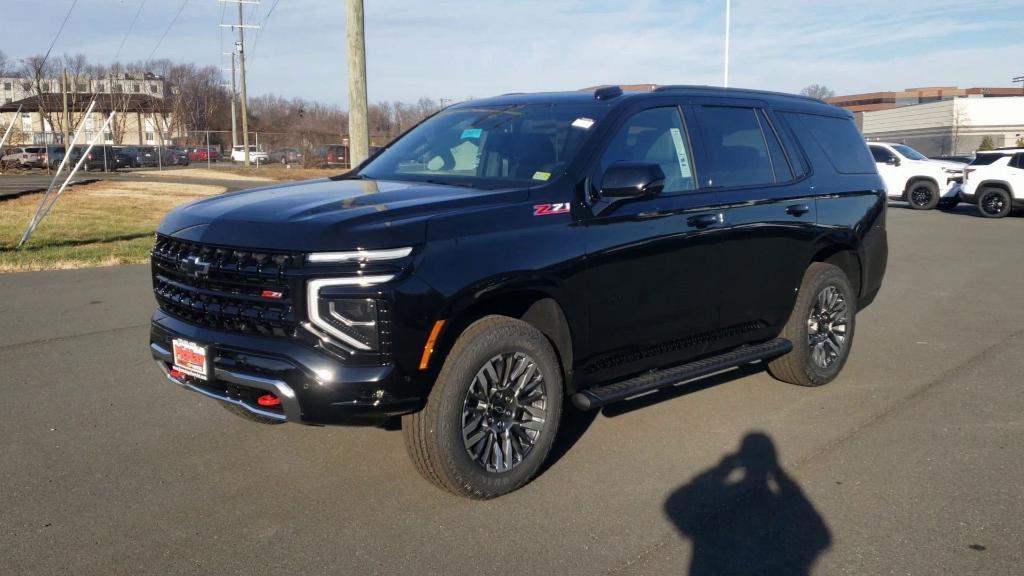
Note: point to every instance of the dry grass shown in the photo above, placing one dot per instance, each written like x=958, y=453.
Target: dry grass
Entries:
x=100, y=224
x=282, y=173
x=273, y=172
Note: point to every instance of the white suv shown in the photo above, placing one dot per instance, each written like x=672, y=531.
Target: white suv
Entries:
x=913, y=177
x=995, y=181
x=255, y=156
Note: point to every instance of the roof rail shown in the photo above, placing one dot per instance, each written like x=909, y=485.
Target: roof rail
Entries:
x=672, y=87
x=607, y=92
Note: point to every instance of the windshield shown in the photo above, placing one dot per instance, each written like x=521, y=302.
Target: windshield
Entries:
x=489, y=146
x=909, y=152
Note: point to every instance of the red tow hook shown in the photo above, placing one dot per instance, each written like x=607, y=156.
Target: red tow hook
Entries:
x=268, y=400
x=177, y=374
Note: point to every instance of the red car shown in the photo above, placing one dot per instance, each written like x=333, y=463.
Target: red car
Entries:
x=201, y=154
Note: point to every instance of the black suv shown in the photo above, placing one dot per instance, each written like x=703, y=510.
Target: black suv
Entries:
x=512, y=254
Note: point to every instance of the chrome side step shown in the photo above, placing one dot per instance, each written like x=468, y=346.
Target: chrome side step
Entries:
x=598, y=396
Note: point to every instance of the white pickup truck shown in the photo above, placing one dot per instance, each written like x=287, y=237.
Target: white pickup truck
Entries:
x=255, y=156
x=916, y=179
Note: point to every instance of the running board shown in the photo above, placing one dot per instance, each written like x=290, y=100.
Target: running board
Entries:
x=598, y=396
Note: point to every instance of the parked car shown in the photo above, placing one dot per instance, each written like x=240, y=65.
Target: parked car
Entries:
x=179, y=156
x=994, y=181
x=201, y=154
x=53, y=155
x=509, y=255
x=916, y=179
x=286, y=156
x=255, y=156
x=330, y=155
x=104, y=158
x=23, y=157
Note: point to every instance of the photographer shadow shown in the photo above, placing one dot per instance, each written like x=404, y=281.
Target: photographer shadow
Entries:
x=747, y=516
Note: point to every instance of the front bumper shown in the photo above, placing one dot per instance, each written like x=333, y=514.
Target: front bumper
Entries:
x=313, y=385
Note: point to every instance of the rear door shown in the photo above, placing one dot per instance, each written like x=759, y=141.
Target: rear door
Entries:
x=651, y=274
x=770, y=218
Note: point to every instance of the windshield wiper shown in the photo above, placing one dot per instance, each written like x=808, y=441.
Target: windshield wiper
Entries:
x=448, y=183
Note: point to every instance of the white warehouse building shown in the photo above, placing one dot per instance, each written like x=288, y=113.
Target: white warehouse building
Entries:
x=948, y=127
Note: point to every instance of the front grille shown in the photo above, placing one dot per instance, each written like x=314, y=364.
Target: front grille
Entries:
x=226, y=288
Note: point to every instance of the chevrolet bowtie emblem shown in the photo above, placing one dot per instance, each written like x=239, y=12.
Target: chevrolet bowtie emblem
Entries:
x=194, y=266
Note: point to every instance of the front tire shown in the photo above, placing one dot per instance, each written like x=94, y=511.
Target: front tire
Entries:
x=821, y=328
x=923, y=195
x=994, y=202
x=493, y=414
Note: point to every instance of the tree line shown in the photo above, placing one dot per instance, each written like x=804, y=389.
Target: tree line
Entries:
x=196, y=101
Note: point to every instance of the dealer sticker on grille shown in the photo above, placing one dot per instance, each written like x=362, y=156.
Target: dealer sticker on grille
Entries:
x=190, y=358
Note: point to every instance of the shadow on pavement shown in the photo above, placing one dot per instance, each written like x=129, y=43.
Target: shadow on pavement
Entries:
x=747, y=516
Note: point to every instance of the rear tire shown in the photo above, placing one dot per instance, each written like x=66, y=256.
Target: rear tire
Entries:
x=994, y=202
x=821, y=328
x=499, y=394
x=243, y=413
x=923, y=195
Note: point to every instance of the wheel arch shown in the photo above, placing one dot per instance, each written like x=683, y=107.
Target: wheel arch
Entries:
x=847, y=259
x=535, y=306
x=915, y=179
x=994, y=184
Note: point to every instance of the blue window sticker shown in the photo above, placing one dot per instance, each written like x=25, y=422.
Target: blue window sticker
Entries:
x=471, y=133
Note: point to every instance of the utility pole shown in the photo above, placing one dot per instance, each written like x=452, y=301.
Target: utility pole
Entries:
x=240, y=49
x=234, y=101
x=241, y=62
x=66, y=124
x=358, y=133
x=725, y=78
x=1021, y=80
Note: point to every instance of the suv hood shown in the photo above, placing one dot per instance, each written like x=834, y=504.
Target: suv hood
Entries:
x=324, y=215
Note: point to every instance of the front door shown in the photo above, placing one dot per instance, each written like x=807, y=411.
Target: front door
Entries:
x=890, y=169
x=652, y=276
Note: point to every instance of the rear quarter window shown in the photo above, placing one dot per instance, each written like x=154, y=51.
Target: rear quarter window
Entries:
x=985, y=159
x=838, y=138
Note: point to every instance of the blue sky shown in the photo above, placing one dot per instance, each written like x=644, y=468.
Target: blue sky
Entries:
x=457, y=49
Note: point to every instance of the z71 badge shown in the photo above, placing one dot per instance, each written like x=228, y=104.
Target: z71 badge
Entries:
x=545, y=209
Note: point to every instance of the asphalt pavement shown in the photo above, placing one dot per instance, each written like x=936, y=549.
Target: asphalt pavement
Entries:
x=910, y=463
x=14, y=185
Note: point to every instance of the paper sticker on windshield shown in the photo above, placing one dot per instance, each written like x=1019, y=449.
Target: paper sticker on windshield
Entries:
x=584, y=123
x=471, y=133
x=684, y=160
x=538, y=175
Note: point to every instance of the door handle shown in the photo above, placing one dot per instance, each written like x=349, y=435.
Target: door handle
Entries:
x=798, y=209
x=702, y=220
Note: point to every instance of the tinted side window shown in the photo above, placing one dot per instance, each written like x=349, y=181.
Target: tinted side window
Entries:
x=780, y=164
x=736, y=146
x=1018, y=161
x=880, y=154
x=656, y=135
x=985, y=159
x=838, y=138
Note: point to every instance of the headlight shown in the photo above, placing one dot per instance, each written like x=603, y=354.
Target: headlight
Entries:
x=353, y=321
x=361, y=255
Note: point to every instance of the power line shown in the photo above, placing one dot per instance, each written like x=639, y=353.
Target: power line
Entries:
x=169, y=26
x=59, y=30
x=263, y=23
x=130, y=27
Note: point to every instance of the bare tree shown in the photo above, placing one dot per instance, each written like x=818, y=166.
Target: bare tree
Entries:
x=818, y=91
x=960, y=119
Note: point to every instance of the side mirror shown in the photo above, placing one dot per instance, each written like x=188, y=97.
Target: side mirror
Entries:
x=632, y=180
x=892, y=161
